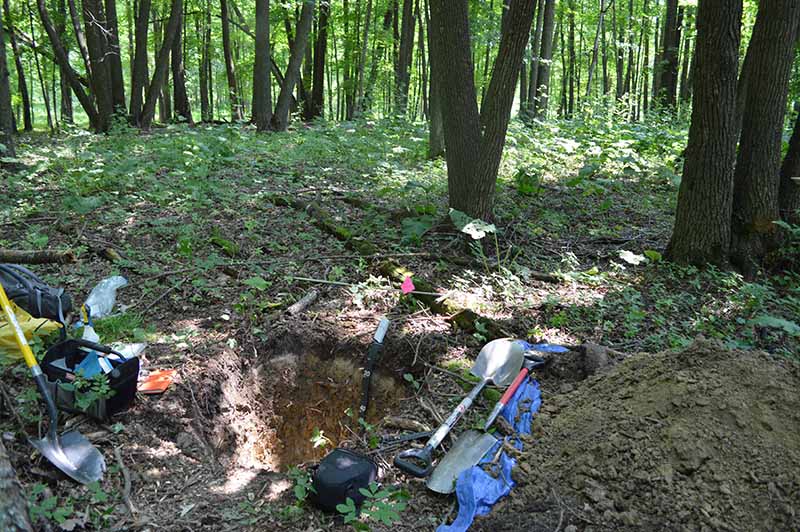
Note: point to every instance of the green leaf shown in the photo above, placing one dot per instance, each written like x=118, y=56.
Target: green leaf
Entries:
x=653, y=255
x=259, y=283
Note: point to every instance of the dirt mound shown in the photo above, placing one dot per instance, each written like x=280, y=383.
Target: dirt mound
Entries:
x=705, y=439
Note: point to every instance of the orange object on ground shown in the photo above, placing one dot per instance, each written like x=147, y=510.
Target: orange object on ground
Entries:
x=157, y=382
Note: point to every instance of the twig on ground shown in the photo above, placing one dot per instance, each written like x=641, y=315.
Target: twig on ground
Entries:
x=305, y=302
x=447, y=372
x=10, y=405
x=165, y=294
x=47, y=256
x=126, y=489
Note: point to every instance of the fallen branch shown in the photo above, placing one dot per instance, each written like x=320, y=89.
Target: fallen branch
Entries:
x=47, y=256
x=305, y=302
x=126, y=489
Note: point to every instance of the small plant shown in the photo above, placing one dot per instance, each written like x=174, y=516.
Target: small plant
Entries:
x=88, y=390
x=302, y=484
x=318, y=439
x=371, y=434
x=381, y=505
x=408, y=377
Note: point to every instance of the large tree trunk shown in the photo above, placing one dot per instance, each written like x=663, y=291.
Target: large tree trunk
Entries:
x=139, y=81
x=230, y=69
x=475, y=139
x=63, y=61
x=162, y=64
x=789, y=193
x=96, y=40
x=115, y=57
x=757, y=175
x=179, y=97
x=6, y=123
x=13, y=507
x=545, y=59
x=402, y=73
x=22, y=84
x=669, y=59
x=280, y=119
x=262, y=84
x=320, y=52
x=702, y=222
x=75, y=17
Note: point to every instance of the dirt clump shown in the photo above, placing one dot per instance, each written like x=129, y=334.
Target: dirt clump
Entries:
x=703, y=439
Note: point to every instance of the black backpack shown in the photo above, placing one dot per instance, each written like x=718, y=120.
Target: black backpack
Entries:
x=33, y=295
x=340, y=475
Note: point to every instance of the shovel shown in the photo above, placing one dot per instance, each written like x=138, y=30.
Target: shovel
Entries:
x=72, y=453
x=467, y=451
x=499, y=362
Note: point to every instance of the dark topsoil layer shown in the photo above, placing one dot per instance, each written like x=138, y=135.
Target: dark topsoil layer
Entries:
x=704, y=439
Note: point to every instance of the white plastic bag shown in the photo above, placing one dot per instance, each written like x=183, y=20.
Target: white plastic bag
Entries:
x=103, y=296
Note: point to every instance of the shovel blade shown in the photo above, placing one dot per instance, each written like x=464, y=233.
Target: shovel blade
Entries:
x=499, y=361
x=73, y=454
x=467, y=451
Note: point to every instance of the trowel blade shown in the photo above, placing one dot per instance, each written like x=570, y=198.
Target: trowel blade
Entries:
x=467, y=451
x=73, y=454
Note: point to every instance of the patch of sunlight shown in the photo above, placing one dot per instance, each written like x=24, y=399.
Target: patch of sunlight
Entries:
x=236, y=481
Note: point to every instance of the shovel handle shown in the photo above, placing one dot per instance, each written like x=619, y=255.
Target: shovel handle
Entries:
x=409, y=461
x=514, y=385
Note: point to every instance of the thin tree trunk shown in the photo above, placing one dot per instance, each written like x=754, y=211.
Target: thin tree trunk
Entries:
x=646, y=63
x=45, y=97
x=12, y=516
x=604, y=53
x=209, y=66
x=162, y=64
x=546, y=59
x=179, y=98
x=320, y=52
x=620, y=53
x=423, y=61
x=280, y=118
x=685, y=90
x=262, y=84
x=95, y=21
x=536, y=48
x=629, y=42
x=595, y=49
x=230, y=69
x=436, y=125
x=757, y=175
x=669, y=71
x=571, y=21
x=702, y=221
x=789, y=192
x=139, y=81
x=22, y=84
x=79, y=36
x=115, y=57
x=402, y=71
x=363, y=59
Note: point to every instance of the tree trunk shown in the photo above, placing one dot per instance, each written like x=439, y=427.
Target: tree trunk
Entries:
x=262, y=84
x=22, y=84
x=230, y=69
x=162, y=63
x=702, y=221
x=179, y=97
x=13, y=506
x=685, y=90
x=669, y=59
x=475, y=140
x=595, y=49
x=646, y=62
x=757, y=176
x=63, y=61
x=66, y=92
x=80, y=37
x=362, y=62
x=139, y=81
x=789, y=193
x=536, y=47
x=115, y=57
x=7, y=140
x=631, y=63
x=320, y=52
x=96, y=31
x=546, y=59
x=436, y=125
x=571, y=22
x=402, y=72
x=619, y=54
x=379, y=54
x=280, y=119
x=39, y=73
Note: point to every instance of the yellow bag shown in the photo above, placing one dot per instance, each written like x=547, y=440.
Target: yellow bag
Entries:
x=9, y=352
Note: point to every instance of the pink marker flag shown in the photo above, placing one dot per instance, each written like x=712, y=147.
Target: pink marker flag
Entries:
x=407, y=286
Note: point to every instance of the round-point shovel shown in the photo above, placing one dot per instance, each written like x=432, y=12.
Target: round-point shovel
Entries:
x=498, y=362
x=72, y=453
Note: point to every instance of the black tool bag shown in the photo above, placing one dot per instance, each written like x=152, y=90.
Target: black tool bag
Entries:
x=340, y=475
x=33, y=295
x=59, y=365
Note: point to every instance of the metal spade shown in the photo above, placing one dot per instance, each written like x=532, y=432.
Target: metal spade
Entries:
x=72, y=453
x=467, y=451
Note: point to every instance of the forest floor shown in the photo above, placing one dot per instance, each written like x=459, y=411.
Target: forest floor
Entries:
x=697, y=434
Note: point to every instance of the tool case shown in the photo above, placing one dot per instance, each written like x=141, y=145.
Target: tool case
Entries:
x=62, y=363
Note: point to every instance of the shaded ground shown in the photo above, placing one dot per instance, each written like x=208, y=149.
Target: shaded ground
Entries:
x=211, y=261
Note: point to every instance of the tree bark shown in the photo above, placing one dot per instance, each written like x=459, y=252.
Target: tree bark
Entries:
x=402, y=72
x=474, y=139
x=262, y=83
x=320, y=52
x=702, y=229
x=63, y=61
x=571, y=23
x=436, y=124
x=669, y=59
x=162, y=64
x=230, y=69
x=115, y=57
x=536, y=48
x=362, y=62
x=179, y=97
x=546, y=59
x=13, y=506
x=139, y=81
x=280, y=119
x=685, y=89
x=66, y=92
x=789, y=192
x=80, y=38
x=757, y=175
x=94, y=19
x=6, y=113
x=595, y=49
x=22, y=84
x=619, y=54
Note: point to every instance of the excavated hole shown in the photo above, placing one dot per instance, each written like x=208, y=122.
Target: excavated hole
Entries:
x=312, y=393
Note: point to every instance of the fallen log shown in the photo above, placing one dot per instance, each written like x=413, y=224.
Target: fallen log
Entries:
x=13, y=507
x=462, y=318
x=47, y=256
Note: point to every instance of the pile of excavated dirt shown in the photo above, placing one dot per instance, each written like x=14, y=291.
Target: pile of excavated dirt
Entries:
x=704, y=439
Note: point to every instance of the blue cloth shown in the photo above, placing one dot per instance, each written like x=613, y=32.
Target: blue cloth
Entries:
x=476, y=490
